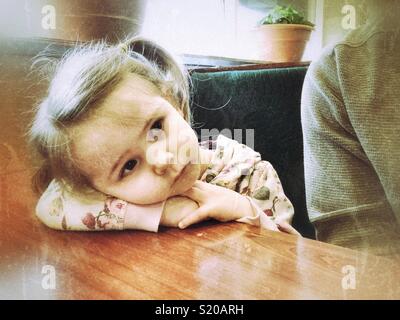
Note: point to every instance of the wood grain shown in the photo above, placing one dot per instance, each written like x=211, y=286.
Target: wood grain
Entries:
x=209, y=261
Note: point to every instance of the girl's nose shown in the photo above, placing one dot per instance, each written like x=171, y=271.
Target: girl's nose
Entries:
x=164, y=160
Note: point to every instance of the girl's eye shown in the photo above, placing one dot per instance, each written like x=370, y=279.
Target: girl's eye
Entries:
x=157, y=125
x=155, y=130
x=128, y=167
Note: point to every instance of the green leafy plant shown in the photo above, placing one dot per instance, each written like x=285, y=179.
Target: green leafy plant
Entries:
x=285, y=15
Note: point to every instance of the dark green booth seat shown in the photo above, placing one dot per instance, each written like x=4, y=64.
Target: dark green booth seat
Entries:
x=268, y=101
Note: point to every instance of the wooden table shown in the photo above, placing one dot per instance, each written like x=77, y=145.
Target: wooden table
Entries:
x=210, y=261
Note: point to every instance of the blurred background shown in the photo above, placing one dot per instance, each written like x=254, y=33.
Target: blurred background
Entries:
x=222, y=28
x=203, y=33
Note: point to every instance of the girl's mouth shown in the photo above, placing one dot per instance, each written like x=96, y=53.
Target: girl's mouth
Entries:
x=183, y=171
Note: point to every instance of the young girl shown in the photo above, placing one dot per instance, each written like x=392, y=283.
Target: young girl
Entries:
x=118, y=151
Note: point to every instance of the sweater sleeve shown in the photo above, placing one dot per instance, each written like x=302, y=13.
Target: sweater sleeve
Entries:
x=59, y=209
x=345, y=199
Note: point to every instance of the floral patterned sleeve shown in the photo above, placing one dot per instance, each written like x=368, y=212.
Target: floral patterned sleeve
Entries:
x=240, y=168
x=59, y=209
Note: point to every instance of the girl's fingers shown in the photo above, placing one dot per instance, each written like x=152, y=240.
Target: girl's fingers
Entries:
x=195, y=194
x=201, y=184
x=196, y=216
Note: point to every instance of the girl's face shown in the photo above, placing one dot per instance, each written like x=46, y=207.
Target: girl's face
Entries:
x=137, y=147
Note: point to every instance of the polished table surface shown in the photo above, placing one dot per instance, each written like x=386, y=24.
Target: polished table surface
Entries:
x=209, y=261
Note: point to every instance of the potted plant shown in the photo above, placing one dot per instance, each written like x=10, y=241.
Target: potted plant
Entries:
x=282, y=35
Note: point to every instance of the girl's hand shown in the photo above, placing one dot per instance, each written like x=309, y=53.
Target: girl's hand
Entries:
x=215, y=202
x=175, y=209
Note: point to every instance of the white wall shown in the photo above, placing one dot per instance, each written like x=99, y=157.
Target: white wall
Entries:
x=208, y=27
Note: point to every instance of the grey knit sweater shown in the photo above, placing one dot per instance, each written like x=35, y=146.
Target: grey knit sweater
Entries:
x=351, y=127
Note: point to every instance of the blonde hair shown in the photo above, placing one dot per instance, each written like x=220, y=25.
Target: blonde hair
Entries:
x=85, y=75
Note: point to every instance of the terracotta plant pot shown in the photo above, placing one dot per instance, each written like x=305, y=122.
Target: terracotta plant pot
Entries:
x=282, y=42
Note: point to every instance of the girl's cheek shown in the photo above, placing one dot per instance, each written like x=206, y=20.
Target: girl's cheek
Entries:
x=148, y=190
x=184, y=139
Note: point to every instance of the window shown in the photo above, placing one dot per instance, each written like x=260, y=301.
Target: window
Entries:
x=220, y=28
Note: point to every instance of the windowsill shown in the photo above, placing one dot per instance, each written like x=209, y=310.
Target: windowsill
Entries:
x=198, y=63
x=204, y=61
x=249, y=66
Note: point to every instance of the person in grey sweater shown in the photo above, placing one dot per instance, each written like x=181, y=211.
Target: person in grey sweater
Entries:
x=351, y=129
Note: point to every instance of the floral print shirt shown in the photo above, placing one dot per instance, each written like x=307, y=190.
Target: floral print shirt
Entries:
x=233, y=165
x=240, y=168
x=61, y=209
